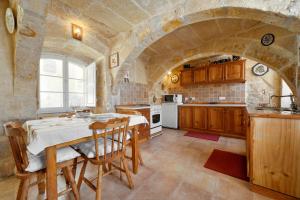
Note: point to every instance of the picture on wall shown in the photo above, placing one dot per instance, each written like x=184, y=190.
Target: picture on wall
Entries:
x=114, y=60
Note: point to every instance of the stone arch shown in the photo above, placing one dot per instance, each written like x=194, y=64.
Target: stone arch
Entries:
x=146, y=34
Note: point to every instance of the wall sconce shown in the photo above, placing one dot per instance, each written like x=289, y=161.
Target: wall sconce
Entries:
x=77, y=32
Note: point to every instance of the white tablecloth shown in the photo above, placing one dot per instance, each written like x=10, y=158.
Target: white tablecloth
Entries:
x=51, y=131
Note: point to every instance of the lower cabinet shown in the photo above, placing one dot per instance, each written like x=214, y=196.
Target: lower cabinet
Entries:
x=186, y=117
x=216, y=119
x=200, y=118
x=227, y=121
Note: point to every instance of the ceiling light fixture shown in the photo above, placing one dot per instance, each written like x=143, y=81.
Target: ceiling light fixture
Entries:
x=77, y=32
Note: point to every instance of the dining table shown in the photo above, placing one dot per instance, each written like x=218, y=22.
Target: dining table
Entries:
x=50, y=134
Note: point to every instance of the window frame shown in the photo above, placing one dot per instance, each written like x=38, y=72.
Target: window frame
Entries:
x=65, y=60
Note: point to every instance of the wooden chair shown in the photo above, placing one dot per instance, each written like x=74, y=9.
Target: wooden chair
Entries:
x=129, y=143
x=104, y=152
x=29, y=166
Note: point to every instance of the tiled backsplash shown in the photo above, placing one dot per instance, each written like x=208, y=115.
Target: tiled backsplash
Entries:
x=211, y=93
x=133, y=93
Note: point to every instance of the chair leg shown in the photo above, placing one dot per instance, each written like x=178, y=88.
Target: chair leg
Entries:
x=23, y=189
x=130, y=182
x=74, y=168
x=41, y=183
x=81, y=176
x=121, y=168
x=140, y=158
x=72, y=182
x=99, y=182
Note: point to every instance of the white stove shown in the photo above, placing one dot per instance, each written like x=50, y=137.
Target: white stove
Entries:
x=155, y=120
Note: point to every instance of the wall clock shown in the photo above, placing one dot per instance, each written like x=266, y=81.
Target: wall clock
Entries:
x=267, y=39
x=259, y=69
x=10, y=20
x=174, y=78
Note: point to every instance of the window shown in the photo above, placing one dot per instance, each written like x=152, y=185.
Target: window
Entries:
x=285, y=90
x=65, y=84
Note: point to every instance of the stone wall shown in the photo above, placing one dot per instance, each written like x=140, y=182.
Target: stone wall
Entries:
x=11, y=103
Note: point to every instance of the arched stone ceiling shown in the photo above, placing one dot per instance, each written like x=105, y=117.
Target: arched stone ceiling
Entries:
x=222, y=36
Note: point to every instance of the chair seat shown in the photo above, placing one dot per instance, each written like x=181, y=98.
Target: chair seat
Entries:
x=37, y=162
x=88, y=148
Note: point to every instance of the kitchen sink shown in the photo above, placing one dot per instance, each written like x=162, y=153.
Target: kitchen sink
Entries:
x=273, y=108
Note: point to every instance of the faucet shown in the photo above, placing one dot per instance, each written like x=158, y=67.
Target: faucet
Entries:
x=292, y=97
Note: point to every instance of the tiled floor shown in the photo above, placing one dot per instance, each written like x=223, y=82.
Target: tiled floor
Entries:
x=173, y=170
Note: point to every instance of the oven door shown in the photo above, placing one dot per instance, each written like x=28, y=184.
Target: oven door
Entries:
x=155, y=120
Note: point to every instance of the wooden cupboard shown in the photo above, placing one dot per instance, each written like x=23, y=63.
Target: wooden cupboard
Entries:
x=216, y=119
x=274, y=155
x=200, y=118
x=187, y=77
x=215, y=73
x=227, y=121
x=144, y=130
x=234, y=71
x=200, y=75
x=229, y=72
x=235, y=121
x=186, y=117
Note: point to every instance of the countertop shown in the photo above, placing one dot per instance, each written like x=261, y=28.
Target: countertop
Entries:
x=253, y=112
x=214, y=105
x=133, y=107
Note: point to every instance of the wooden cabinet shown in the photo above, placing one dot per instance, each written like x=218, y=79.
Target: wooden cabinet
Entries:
x=229, y=72
x=234, y=71
x=226, y=121
x=186, y=117
x=274, y=154
x=200, y=118
x=187, y=77
x=144, y=130
x=200, y=75
x=216, y=119
x=235, y=121
x=215, y=73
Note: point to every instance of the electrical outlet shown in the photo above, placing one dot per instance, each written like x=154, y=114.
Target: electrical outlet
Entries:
x=222, y=98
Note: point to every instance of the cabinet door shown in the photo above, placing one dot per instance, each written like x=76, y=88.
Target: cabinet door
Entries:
x=200, y=75
x=144, y=131
x=186, y=117
x=216, y=119
x=200, y=118
x=215, y=73
x=187, y=77
x=234, y=71
x=235, y=121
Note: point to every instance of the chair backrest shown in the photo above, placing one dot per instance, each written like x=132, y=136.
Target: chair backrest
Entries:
x=114, y=134
x=17, y=139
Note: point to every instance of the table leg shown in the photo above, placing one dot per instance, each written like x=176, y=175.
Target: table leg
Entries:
x=135, y=149
x=51, y=176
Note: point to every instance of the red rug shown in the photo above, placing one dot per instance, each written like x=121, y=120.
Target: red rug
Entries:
x=204, y=136
x=228, y=163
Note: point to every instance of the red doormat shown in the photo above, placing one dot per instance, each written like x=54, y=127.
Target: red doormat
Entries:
x=204, y=136
x=228, y=163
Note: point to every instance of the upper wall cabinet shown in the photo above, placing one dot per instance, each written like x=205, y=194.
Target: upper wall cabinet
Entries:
x=187, y=77
x=229, y=72
x=200, y=75
x=234, y=71
x=215, y=73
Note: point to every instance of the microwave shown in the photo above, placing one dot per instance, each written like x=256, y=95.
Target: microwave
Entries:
x=173, y=98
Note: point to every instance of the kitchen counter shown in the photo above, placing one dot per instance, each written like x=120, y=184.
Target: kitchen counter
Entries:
x=253, y=112
x=214, y=105
x=133, y=107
